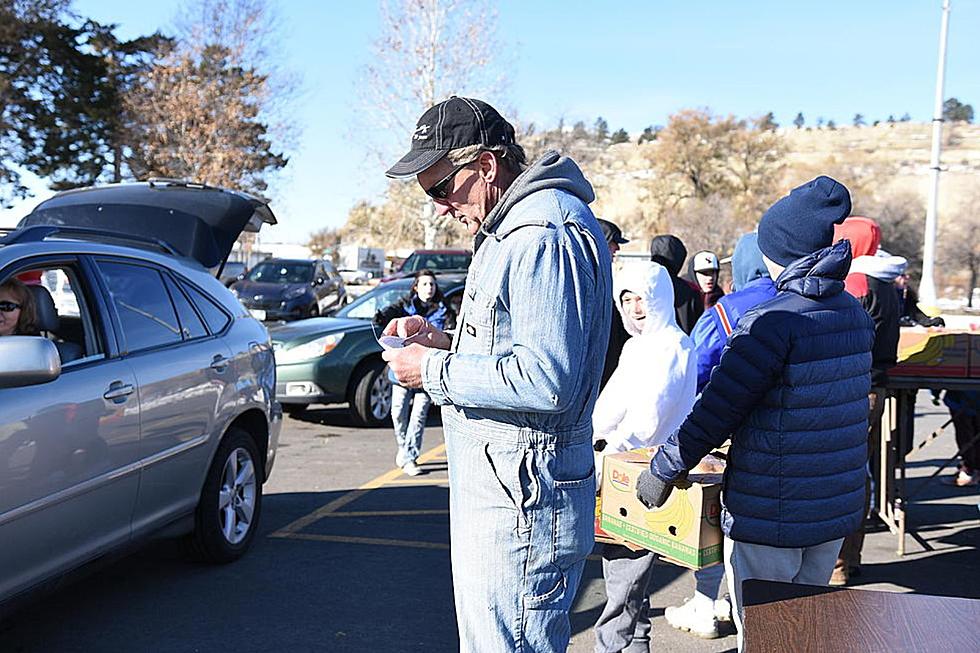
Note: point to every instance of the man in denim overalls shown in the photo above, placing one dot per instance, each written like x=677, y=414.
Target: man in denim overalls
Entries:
x=519, y=378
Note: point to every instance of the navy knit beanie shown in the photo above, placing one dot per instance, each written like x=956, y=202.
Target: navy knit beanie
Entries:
x=803, y=221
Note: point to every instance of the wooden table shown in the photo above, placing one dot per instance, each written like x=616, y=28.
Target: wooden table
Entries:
x=782, y=617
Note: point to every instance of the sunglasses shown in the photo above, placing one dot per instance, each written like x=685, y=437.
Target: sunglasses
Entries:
x=9, y=307
x=440, y=189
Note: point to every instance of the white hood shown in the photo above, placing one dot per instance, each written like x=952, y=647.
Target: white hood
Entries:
x=882, y=266
x=653, y=388
x=652, y=282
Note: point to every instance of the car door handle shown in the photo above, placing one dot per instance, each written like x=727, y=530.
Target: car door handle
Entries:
x=118, y=391
x=219, y=363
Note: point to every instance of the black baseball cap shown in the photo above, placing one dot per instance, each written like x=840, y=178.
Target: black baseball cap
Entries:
x=612, y=232
x=451, y=124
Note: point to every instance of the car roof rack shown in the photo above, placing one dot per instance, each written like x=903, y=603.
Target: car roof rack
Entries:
x=37, y=233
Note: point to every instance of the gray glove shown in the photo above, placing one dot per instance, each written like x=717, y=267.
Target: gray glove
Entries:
x=651, y=491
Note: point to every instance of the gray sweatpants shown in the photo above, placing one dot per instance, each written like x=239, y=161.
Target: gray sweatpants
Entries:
x=624, y=624
x=811, y=565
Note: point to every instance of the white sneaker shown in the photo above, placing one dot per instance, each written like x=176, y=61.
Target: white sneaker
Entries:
x=411, y=469
x=723, y=609
x=400, y=459
x=695, y=619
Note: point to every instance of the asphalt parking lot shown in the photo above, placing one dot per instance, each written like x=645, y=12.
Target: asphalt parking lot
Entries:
x=354, y=556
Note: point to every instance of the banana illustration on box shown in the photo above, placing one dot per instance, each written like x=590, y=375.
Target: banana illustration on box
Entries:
x=675, y=519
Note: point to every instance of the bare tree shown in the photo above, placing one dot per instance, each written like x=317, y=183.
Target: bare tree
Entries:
x=959, y=243
x=711, y=224
x=427, y=51
x=208, y=110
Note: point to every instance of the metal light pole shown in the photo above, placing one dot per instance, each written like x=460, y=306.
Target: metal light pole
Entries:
x=927, y=286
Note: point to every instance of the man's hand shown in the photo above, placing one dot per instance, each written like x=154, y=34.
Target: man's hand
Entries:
x=406, y=363
x=651, y=491
x=416, y=329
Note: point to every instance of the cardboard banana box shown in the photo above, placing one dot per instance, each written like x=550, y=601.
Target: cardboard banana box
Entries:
x=685, y=530
x=937, y=353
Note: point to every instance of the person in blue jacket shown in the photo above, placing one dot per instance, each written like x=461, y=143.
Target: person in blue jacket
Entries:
x=791, y=391
x=410, y=406
x=752, y=286
x=701, y=614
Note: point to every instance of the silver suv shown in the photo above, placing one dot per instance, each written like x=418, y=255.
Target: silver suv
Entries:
x=146, y=397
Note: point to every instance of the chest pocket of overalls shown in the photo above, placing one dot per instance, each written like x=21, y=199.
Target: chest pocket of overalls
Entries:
x=475, y=330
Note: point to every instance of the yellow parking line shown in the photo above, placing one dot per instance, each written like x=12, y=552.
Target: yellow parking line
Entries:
x=344, y=539
x=353, y=495
x=386, y=513
x=434, y=482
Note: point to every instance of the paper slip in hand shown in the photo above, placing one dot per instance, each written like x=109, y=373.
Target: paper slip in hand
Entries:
x=391, y=342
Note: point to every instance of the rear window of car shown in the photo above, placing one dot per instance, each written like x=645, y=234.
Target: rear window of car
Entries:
x=145, y=312
x=281, y=272
x=190, y=321
x=417, y=262
x=215, y=317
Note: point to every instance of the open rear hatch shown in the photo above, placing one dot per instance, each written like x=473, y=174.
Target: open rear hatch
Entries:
x=194, y=220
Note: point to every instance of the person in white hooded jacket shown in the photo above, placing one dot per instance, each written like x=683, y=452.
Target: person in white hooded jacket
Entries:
x=645, y=400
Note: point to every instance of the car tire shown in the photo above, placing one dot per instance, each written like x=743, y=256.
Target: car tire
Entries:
x=216, y=539
x=294, y=409
x=371, y=398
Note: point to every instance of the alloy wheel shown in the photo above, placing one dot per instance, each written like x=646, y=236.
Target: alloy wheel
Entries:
x=236, y=498
x=381, y=396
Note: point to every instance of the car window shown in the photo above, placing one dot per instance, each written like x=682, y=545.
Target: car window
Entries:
x=417, y=262
x=331, y=270
x=190, y=322
x=365, y=306
x=75, y=327
x=281, y=272
x=216, y=318
x=146, y=314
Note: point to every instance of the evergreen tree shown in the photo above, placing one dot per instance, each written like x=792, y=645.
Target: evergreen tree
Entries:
x=956, y=111
x=768, y=122
x=799, y=121
x=831, y=125
x=601, y=130
x=619, y=136
x=858, y=120
x=649, y=134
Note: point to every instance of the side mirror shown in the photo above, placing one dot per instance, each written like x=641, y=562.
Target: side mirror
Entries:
x=27, y=360
x=319, y=281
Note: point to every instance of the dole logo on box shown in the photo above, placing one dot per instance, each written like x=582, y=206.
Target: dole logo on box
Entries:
x=620, y=480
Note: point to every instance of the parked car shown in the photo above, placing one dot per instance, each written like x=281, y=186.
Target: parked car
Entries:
x=233, y=271
x=435, y=260
x=291, y=289
x=338, y=359
x=151, y=405
x=355, y=277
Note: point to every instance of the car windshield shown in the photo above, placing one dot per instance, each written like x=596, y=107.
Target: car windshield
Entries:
x=281, y=272
x=233, y=268
x=432, y=261
x=365, y=306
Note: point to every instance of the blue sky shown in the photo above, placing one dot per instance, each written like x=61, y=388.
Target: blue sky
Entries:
x=634, y=63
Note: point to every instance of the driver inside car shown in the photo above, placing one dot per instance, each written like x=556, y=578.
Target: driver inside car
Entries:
x=17, y=312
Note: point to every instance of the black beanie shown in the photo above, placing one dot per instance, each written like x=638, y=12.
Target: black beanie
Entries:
x=803, y=221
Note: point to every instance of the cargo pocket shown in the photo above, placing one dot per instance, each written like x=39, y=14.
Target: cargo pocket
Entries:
x=572, y=539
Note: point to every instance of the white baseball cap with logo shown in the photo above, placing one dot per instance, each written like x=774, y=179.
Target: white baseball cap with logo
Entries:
x=706, y=262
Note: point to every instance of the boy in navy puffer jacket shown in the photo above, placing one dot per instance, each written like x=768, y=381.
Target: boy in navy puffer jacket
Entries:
x=791, y=390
